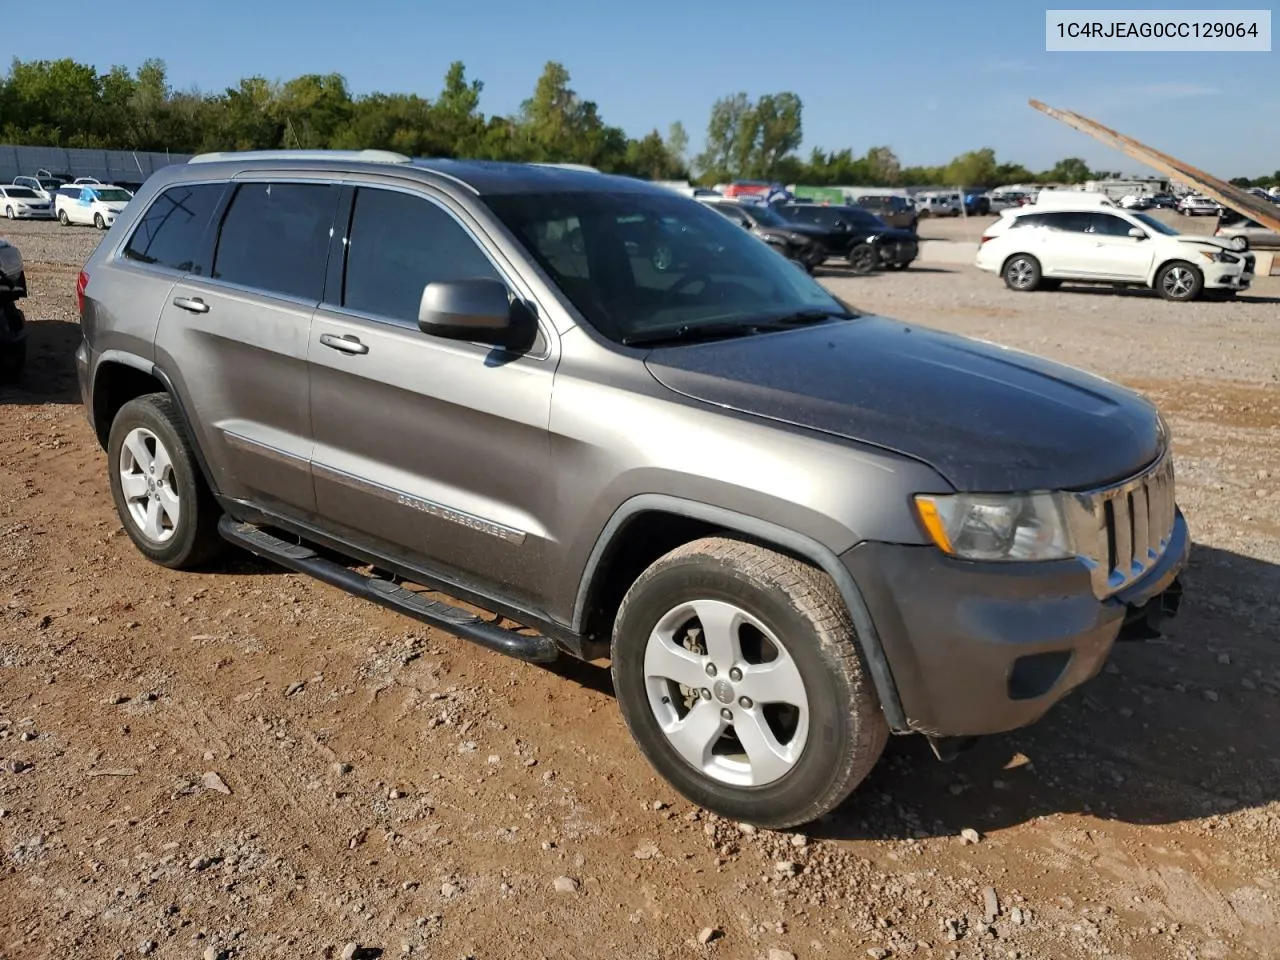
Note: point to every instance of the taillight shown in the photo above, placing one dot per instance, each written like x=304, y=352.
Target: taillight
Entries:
x=82, y=282
x=984, y=238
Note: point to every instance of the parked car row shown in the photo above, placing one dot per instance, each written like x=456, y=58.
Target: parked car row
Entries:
x=84, y=200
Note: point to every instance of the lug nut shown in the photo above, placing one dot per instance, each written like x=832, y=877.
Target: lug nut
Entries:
x=726, y=714
x=744, y=703
x=706, y=694
x=711, y=669
x=735, y=674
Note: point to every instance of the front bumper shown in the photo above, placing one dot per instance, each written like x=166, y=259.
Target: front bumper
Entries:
x=1229, y=276
x=981, y=648
x=898, y=251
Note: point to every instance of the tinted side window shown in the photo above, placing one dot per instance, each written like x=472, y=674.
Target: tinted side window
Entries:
x=400, y=243
x=171, y=232
x=275, y=236
x=1070, y=222
x=1106, y=224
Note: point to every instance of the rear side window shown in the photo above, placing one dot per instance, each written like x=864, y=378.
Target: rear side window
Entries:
x=171, y=232
x=1070, y=222
x=275, y=237
x=400, y=243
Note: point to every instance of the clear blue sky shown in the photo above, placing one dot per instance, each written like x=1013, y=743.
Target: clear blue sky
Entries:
x=929, y=78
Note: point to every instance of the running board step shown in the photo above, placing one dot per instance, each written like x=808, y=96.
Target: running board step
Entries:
x=304, y=559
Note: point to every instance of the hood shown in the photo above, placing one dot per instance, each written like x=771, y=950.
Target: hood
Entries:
x=898, y=234
x=805, y=231
x=987, y=418
x=786, y=233
x=1206, y=241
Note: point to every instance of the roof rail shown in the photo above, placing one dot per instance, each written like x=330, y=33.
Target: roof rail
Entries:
x=362, y=156
x=568, y=166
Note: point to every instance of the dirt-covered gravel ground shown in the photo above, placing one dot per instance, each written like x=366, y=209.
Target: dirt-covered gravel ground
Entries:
x=244, y=763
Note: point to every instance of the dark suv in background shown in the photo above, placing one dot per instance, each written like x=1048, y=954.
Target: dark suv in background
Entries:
x=632, y=431
x=861, y=238
x=896, y=211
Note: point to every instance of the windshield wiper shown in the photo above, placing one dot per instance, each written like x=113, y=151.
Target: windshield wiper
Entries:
x=814, y=315
x=737, y=328
x=688, y=333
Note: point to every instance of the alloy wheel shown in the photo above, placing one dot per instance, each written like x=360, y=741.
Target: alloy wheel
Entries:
x=149, y=485
x=726, y=693
x=1178, y=283
x=1020, y=274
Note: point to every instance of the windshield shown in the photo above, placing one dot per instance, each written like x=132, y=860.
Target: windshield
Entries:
x=764, y=215
x=857, y=217
x=24, y=193
x=50, y=184
x=638, y=264
x=112, y=196
x=1153, y=224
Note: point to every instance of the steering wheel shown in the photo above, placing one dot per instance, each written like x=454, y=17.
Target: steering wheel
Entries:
x=689, y=280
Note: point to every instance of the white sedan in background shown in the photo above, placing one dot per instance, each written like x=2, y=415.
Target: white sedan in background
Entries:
x=23, y=203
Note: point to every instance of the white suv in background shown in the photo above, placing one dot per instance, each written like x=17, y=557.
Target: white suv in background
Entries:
x=1094, y=241
x=98, y=204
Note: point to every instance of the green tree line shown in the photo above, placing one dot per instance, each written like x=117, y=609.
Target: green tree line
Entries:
x=63, y=103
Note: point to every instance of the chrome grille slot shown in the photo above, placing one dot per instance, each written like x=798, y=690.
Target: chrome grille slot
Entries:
x=1122, y=531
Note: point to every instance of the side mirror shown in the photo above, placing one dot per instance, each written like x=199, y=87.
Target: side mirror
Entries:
x=478, y=310
x=1137, y=233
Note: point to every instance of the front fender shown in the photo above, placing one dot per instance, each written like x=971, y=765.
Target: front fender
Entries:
x=762, y=531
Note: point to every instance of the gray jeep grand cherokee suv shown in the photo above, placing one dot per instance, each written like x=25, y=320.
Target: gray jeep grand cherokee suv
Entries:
x=630, y=430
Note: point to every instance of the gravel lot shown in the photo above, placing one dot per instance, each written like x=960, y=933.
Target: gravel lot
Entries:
x=245, y=763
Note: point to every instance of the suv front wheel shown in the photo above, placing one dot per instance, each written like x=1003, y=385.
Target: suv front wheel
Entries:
x=158, y=489
x=1179, y=281
x=737, y=673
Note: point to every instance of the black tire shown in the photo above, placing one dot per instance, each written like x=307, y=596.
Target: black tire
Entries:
x=195, y=539
x=847, y=731
x=1179, y=281
x=863, y=258
x=1022, y=273
x=62, y=218
x=13, y=352
x=99, y=222
x=8, y=212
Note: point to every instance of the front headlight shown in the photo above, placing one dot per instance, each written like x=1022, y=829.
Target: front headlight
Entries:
x=1219, y=256
x=1003, y=526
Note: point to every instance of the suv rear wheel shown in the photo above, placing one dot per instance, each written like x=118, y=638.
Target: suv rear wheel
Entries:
x=737, y=673
x=1022, y=273
x=159, y=493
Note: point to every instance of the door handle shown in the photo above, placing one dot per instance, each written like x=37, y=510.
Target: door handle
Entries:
x=347, y=344
x=191, y=304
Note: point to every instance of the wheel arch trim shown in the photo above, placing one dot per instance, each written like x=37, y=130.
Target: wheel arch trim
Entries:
x=769, y=534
